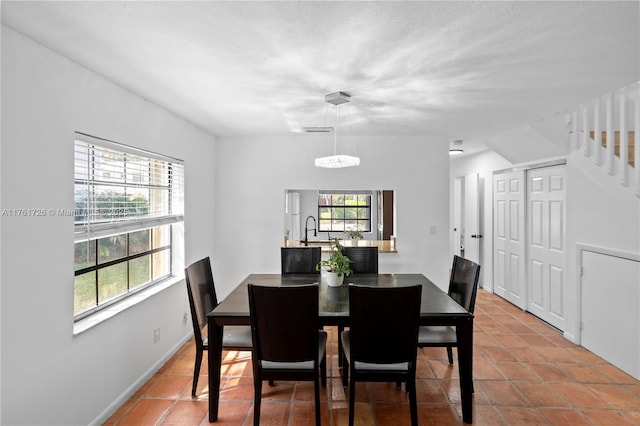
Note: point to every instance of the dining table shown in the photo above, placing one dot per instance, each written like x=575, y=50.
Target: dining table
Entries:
x=437, y=308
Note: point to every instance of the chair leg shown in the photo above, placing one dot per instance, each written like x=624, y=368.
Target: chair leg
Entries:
x=352, y=399
x=257, y=399
x=196, y=372
x=345, y=372
x=316, y=389
x=450, y=354
x=340, y=330
x=323, y=371
x=271, y=383
x=413, y=406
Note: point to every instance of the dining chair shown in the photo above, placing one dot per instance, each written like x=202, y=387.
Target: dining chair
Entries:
x=381, y=344
x=202, y=300
x=463, y=287
x=365, y=259
x=288, y=342
x=300, y=260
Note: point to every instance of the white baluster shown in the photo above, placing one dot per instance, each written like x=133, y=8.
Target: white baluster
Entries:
x=597, y=133
x=575, y=141
x=636, y=140
x=624, y=141
x=609, y=153
x=586, y=145
x=574, y=130
x=568, y=121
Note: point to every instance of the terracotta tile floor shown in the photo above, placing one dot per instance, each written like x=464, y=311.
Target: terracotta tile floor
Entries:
x=525, y=372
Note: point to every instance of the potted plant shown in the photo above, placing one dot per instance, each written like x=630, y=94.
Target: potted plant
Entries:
x=355, y=234
x=337, y=266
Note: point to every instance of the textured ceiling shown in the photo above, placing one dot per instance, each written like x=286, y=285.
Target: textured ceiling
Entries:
x=462, y=70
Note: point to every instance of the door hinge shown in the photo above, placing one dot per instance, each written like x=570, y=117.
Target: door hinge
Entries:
x=581, y=325
x=582, y=271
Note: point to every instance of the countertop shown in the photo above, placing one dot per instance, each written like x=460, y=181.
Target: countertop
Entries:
x=384, y=246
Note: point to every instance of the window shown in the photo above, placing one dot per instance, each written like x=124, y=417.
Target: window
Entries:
x=344, y=211
x=127, y=202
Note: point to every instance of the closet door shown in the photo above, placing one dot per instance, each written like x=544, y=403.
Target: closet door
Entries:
x=545, y=243
x=509, y=237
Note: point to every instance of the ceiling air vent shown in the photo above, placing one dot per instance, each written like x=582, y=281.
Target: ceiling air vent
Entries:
x=317, y=129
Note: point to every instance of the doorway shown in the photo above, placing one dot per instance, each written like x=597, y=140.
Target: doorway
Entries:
x=466, y=217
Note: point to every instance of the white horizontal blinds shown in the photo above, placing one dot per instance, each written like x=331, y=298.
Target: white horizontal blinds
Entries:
x=120, y=189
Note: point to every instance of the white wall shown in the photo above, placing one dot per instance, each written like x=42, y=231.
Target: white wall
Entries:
x=526, y=144
x=48, y=375
x=483, y=163
x=253, y=172
x=601, y=213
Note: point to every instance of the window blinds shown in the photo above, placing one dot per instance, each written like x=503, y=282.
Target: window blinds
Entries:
x=121, y=189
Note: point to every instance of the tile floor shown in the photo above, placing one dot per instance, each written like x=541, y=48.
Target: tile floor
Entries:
x=525, y=372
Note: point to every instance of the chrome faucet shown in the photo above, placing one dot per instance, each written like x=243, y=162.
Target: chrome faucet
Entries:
x=306, y=230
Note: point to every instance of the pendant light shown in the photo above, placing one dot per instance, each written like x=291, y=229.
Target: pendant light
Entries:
x=336, y=160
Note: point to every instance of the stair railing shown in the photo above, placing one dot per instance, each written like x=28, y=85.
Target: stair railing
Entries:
x=612, y=120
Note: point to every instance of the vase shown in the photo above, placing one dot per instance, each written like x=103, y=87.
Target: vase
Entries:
x=334, y=280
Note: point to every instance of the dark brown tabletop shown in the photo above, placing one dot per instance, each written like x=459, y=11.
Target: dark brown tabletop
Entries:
x=437, y=308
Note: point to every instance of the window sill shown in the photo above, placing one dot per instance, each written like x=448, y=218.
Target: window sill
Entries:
x=103, y=315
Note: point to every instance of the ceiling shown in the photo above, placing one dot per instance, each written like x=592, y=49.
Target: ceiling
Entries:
x=459, y=70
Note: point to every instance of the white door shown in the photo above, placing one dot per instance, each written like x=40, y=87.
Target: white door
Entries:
x=546, y=251
x=509, y=237
x=457, y=244
x=471, y=218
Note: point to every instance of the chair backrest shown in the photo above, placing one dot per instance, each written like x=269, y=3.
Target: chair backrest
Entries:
x=365, y=259
x=300, y=260
x=284, y=322
x=463, y=285
x=384, y=323
x=202, y=293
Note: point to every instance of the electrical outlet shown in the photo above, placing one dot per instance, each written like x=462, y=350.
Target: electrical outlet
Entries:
x=184, y=318
x=156, y=335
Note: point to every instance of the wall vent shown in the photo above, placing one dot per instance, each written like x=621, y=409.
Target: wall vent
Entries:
x=317, y=129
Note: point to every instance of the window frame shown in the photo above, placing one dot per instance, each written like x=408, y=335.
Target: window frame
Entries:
x=344, y=207
x=91, y=231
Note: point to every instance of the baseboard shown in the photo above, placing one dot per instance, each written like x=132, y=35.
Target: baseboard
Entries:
x=128, y=393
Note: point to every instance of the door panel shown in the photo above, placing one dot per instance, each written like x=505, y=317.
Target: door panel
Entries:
x=536, y=223
x=500, y=219
x=509, y=249
x=499, y=271
x=515, y=287
x=546, y=211
x=537, y=296
x=555, y=279
x=556, y=225
x=515, y=206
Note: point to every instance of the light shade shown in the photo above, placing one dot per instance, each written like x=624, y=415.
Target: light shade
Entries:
x=455, y=151
x=337, y=161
